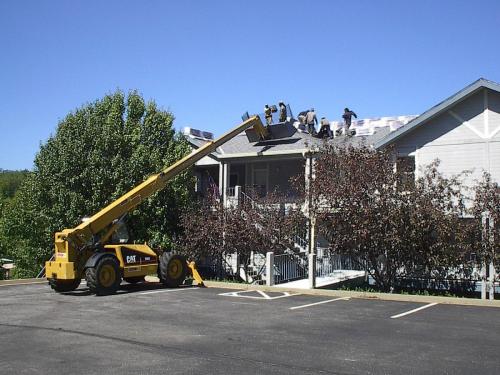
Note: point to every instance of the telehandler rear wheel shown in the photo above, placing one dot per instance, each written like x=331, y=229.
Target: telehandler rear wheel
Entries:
x=105, y=277
x=172, y=269
x=62, y=286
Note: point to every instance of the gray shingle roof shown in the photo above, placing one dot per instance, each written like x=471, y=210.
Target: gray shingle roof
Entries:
x=296, y=143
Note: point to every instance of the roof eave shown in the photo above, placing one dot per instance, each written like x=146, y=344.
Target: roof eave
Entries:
x=214, y=155
x=260, y=154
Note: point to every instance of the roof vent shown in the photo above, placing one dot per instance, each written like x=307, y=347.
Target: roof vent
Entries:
x=195, y=133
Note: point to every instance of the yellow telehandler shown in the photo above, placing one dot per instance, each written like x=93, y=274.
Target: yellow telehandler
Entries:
x=87, y=251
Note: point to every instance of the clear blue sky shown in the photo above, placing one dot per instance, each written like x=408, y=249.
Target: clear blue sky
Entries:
x=209, y=61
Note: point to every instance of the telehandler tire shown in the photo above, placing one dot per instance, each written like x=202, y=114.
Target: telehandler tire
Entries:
x=134, y=279
x=172, y=269
x=62, y=286
x=105, y=277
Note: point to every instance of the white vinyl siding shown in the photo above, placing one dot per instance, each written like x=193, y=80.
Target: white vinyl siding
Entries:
x=494, y=114
x=494, y=159
x=455, y=159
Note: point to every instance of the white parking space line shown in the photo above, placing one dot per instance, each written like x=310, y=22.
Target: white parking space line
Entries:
x=413, y=311
x=262, y=295
x=320, y=303
x=167, y=291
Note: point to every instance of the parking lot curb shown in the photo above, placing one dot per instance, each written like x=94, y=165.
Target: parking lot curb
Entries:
x=360, y=295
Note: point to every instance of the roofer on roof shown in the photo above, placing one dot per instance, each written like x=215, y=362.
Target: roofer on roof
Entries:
x=302, y=117
x=268, y=115
x=282, y=111
x=347, y=116
x=325, y=128
x=311, y=121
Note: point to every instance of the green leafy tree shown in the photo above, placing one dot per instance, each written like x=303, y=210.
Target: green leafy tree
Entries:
x=99, y=152
x=10, y=182
x=3, y=252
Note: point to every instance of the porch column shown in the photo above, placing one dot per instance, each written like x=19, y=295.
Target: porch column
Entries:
x=492, y=281
x=225, y=181
x=492, y=265
x=484, y=280
x=270, y=268
x=237, y=194
x=221, y=179
x=311, y=220
x=488, y=270
x=312, y=253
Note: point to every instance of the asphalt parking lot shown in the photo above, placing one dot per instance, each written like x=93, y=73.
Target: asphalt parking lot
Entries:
x=146, y=329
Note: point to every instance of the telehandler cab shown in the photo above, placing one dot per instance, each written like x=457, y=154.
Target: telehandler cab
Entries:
x=87, y=251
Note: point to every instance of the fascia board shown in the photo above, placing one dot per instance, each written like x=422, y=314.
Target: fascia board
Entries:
x=266, y=153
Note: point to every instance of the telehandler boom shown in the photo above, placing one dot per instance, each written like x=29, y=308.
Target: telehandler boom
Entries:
x=86, y=251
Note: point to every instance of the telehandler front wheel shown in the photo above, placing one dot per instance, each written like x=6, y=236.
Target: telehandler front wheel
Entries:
x=62, y=286
x=172, y=269
x=105, y=277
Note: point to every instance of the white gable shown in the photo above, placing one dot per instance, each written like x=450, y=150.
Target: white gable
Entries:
x=462, y=137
